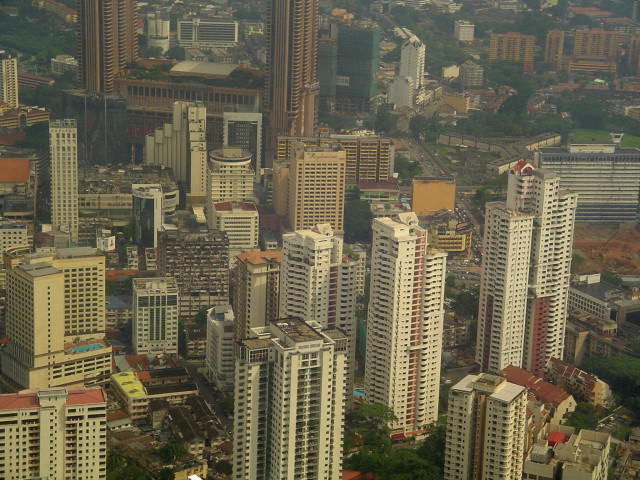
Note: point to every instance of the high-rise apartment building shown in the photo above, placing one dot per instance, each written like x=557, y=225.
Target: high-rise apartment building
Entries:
x=9, y=79
x=240, y=221
x=207, y=34
x=155, y=315
x=486, y=429
x=525, y=272
x=596, y=42
x=404, y=322
x=369, y=157
x=55, y=319
x=198, y=259
x=256, y=290
x=513, y=47
x=290, y=402
x=244, y=130
x=291, y=89
x=605, y=176
x=54, y=434
x=220, y=344
x=553, y=49
x=182, y=146
x=107, y=41
x=63, y=145
x=310, y=188
x=412, y=55
x=318, y=282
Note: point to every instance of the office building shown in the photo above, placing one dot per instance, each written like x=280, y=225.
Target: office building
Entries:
x=318, y=282
x=256, y=290
x=525, y=272
x=158, y=31
x=596, y=42
x=102, y=126
x=563, y=454
x=63, y=148
x=107, y=41
x=155, y=315
x=463, y=31
x=240, y=221
x=553, y=49
x=512, y=47
x=606, y=178
x=471, y=74
x=429, y=195
x=404, y=322
x=220, y=344
x=405, y=89
x=486, y=429
x=290, y=402
x=198, y=258
x=244, y=130
x=55, y=319
x=348, y=62
x=230, y=178
x=54, y=434
x=64, y=63
x=207, y=34
x=182, y=146
x=9, y=79
x=291, y=86
x=309, y=189
x=369, y=157
x=147, y=214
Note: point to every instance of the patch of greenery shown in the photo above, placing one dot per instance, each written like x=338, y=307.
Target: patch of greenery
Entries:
x=406, y=169
x=357, y=221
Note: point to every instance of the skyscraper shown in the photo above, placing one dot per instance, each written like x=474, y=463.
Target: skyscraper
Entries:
x=486, y=429
x=290, y=402
x=512, y=47
x=54, y=434
x=404, y=322
x=107, y=41
x=318, y=282
x=63, y=145
x=291, y=88
x=256, y=280
x=412, y=55
x=155, y=315
x=525, y=272
x=8, y=79
x=553, y=49
x=243, y=129
x=229, y=177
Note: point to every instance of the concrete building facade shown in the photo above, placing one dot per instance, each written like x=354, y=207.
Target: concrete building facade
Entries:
x=220, y=347
x=513, y=47
x=404, y=322
x=155, y=315
x=63, y=145
x=9, y=79
x=290, y=402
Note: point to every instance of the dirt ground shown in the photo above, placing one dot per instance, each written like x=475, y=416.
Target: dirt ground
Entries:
x=607, y=248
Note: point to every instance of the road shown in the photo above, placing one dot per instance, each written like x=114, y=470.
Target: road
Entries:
x=192, y=367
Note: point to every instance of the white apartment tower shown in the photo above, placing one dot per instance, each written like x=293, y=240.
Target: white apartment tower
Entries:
x=412, y=55
x=404, y=322
x=220, y=345
x=55, y=434
x=318, y=282
x=182, y=146
x=486, y=429
x=63, y=144
x=9, y=79
x=525, y=272
x=155, y=315
x=158, y=30
x=55, y=319
x=290, y=402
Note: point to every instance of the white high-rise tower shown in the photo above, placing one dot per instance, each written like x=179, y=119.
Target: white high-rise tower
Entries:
x=525, y=272
x=412, y=60
x=404, y=322
x=318, y=282
x=63, y=144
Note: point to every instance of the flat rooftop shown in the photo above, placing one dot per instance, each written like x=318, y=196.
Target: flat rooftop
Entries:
x=296, y=329
x=254, y=257
x=601, y=290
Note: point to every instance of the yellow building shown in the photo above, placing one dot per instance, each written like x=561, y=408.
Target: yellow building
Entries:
x=428, y=195
x=512, y=47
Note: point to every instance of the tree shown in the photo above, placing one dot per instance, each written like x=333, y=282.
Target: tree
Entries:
x=201, y=317
x=385, y=120
x=357, y=221
x=406, y=169
x=175, y=53
x=224, y=467
x=170, y=452
x=432, y=450
x=166, y=474
x=369, y=426
x=584, y=417
x=481, y=197
x=610, y=277
x=465, y=302
x=226, y=404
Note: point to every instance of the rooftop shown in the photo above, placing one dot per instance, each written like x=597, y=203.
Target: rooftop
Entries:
x=28, y=399
x=234, y=206
x=296, y=329
x=128, y=382
x=14, y=170
x=255, y=257
x=601, y=290
x=189, y=67
x=103, y=179
x=544, y=391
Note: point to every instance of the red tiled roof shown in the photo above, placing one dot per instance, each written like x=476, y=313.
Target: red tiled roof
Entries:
x=28, y=398
x=89, y=395
x=227, y=206
x=118, y=414
x=556, y=437
x=544, y=391
x=14, y=170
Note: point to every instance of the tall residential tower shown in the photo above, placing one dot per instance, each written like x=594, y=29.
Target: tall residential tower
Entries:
x=404, y=322
x=63, y=144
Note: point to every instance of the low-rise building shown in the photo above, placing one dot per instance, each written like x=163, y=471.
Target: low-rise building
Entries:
x=186, y=431
x=456, y=331
x=388, y=191
x=582, y=385
x=119, y=310
x=196, y=338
